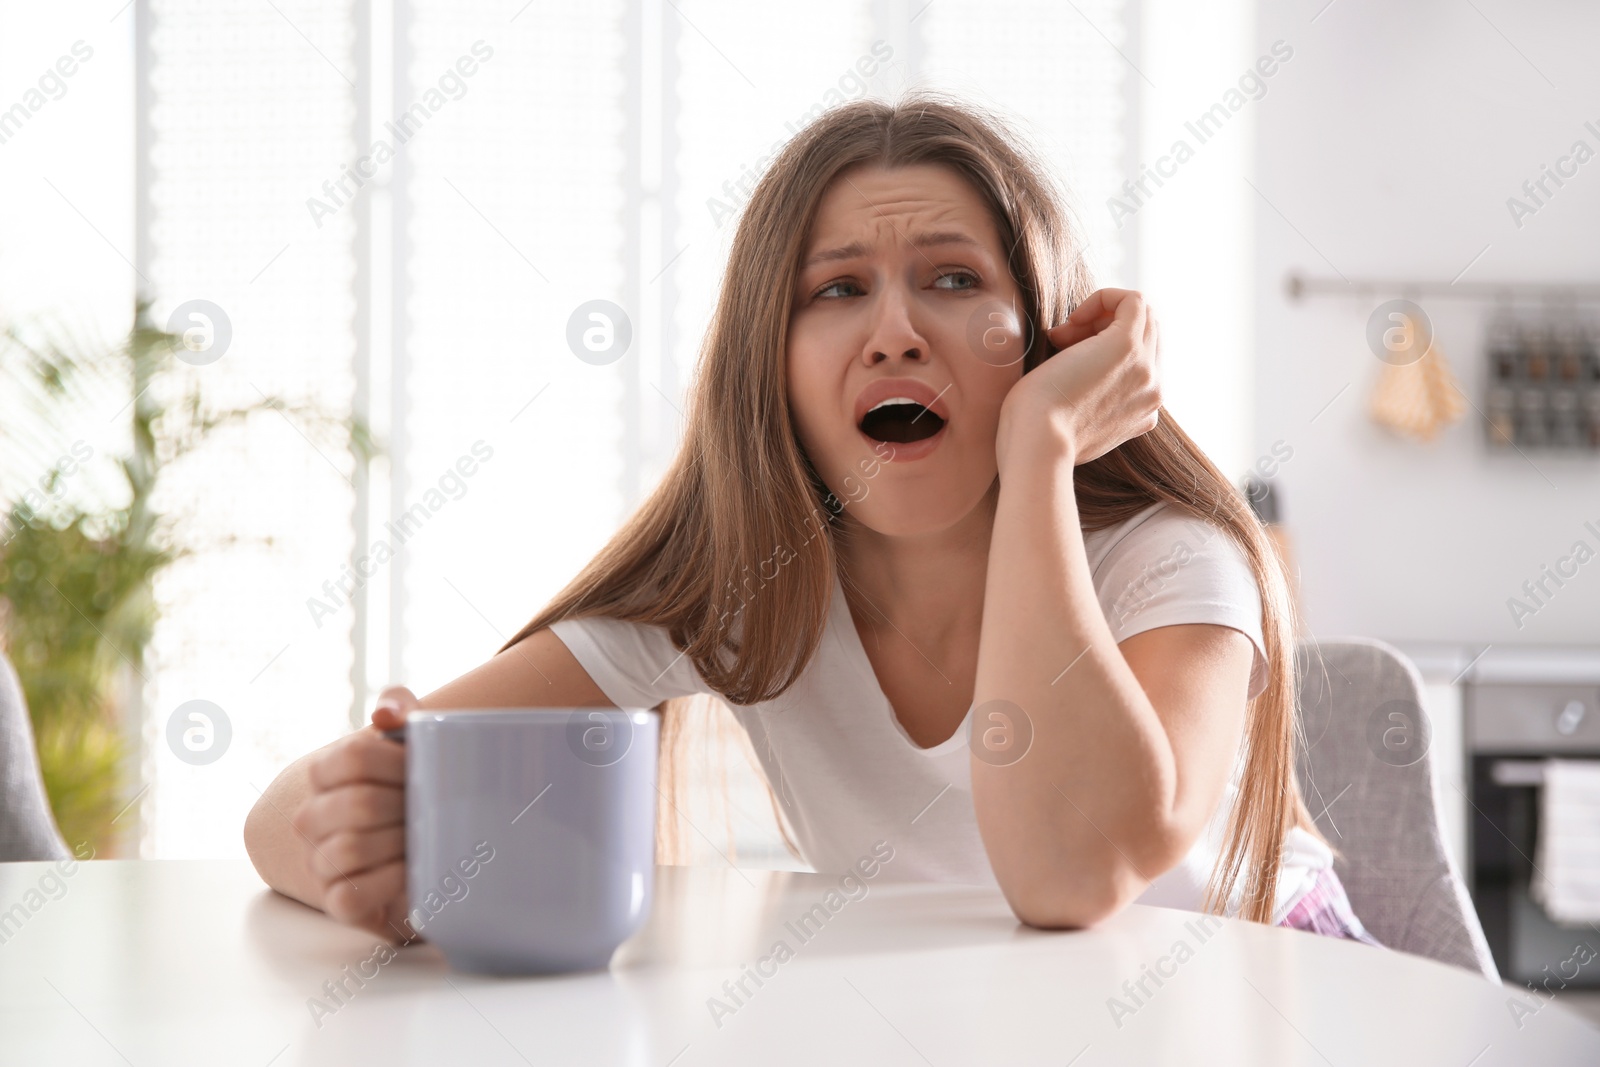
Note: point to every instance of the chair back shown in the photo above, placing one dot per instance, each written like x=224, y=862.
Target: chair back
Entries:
x=27, y=828
x=1366, y=772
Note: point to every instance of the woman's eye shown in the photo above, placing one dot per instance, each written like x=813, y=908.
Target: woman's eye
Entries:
x=832, y=285
x=971, y=278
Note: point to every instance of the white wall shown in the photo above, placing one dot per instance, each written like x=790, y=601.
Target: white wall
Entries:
x=1388, y=147
x=1194, y=239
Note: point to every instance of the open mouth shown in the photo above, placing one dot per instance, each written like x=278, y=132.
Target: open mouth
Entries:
x=900, y=421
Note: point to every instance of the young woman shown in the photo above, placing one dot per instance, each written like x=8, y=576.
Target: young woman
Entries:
x=966, y=586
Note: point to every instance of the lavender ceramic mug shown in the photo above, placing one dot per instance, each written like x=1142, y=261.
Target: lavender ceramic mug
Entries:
x=530, y=834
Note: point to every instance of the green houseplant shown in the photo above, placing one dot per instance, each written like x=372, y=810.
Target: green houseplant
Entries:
x=81, y=544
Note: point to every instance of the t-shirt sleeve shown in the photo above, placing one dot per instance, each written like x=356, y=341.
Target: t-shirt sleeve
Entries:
x=635, y=665
x=1172, y=569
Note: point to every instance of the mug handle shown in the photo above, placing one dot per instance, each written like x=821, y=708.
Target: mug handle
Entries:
x=397, y=734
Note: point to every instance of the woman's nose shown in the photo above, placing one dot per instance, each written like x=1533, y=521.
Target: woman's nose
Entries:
x=893, y=335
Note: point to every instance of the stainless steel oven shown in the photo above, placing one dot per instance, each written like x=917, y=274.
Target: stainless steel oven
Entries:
x=1511, y=728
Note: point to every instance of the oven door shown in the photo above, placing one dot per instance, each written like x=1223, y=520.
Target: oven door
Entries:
x=1511, y=730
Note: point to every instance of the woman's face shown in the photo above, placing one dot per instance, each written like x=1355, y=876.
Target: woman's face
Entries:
x=903, y=292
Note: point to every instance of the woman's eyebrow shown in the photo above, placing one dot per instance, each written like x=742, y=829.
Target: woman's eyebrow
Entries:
x=921, y=240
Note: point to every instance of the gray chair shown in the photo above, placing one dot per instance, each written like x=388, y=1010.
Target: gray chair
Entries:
x=27, y=829
x=1366, y=772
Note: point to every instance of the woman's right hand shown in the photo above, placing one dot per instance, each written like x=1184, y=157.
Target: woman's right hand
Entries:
x=353, y=824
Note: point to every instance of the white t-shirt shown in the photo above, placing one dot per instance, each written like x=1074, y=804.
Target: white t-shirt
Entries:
x=847, y=774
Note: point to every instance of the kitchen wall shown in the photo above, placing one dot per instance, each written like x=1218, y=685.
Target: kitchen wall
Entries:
x=1190, y=222
x=1388, y=147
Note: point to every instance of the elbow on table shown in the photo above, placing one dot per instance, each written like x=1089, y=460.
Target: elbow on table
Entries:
x=1077, y=903
x=1081, y=907
x=1060, y=915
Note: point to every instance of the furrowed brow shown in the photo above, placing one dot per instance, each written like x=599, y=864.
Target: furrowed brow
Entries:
x=861, y=248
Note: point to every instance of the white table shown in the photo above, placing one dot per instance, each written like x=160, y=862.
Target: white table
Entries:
x=165, y=963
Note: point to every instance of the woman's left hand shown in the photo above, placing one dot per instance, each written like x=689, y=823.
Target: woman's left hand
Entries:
x=1098, y=390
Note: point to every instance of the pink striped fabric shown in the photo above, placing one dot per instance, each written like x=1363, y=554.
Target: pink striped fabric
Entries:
x=1326, y=910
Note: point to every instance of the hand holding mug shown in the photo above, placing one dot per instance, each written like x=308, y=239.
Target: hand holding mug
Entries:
x=353, y=825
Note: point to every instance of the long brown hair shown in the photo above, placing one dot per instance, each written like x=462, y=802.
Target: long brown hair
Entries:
x=734, y=553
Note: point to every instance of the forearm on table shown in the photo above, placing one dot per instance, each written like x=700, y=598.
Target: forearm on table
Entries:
x=1078, y=825
x=271, y=840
